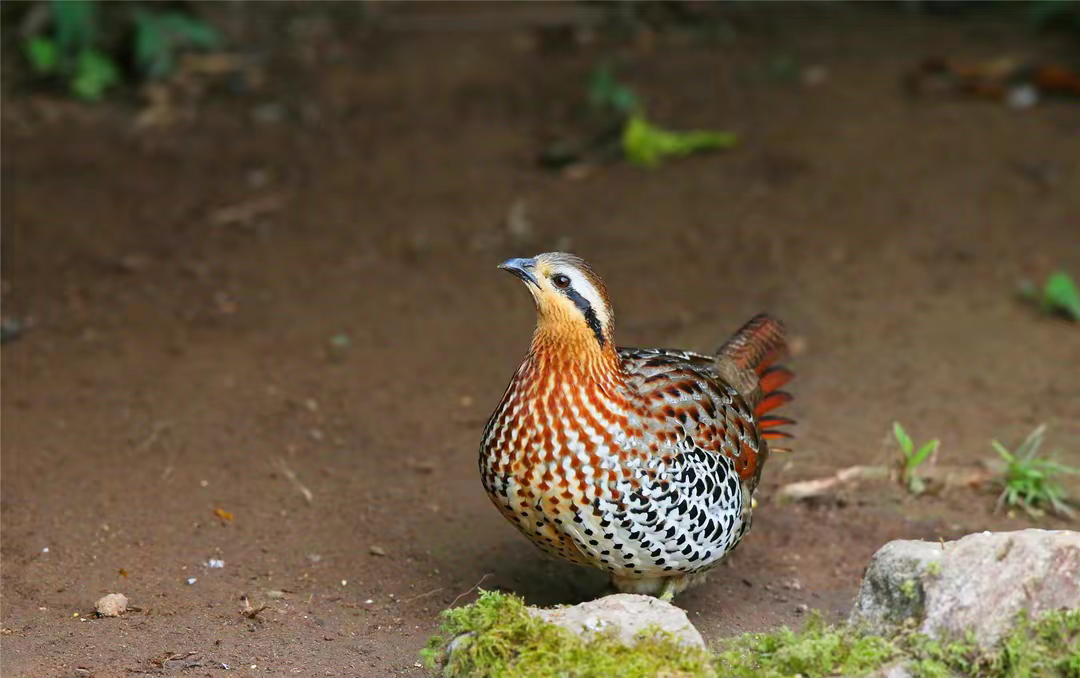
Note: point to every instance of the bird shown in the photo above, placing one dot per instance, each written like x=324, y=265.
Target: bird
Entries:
x=638, y=461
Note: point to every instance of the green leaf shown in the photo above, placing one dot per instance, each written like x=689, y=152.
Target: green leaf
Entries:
x=151, y=46
x=904, y=440
x=647, y=145
x=1061, y=295
x=607, y=92
x=189, y=31
x=160, y=36
x=43, y=55
x=95, y=73
x=76, y=24
x=1002, y=452
x=924, y=452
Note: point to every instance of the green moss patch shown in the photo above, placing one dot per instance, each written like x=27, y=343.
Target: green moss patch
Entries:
x=504, y=640
x=817, y=650
x=497, y=637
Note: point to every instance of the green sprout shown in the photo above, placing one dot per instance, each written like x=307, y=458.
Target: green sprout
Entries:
x=1059, y=295
x=1029, y=481
x=912, y=459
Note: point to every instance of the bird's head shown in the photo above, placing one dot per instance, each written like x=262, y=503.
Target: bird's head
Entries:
x=572, y=304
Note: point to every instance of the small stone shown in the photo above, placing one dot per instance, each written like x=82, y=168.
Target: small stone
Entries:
x=215, y=563
x=275, y=595
x=191, y=581
x=258, y=178
x=1022, y=96
x=797, y=346
x=133, y=263
x=813, y=76
x=10, y=329
x=112, y=605
x=377, y=551
x=268, y=113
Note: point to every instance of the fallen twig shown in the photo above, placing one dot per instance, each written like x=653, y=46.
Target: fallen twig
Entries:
x=475, y=586
x=243, y=213
x=937, y=478
x=809, y=489
x=156, y=430
x=423, y=595
x=279, y=464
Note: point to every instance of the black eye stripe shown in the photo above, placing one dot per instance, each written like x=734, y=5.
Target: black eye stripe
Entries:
x=586, y=310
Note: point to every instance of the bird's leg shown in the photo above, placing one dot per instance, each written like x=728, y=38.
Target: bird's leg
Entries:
x=667, y=594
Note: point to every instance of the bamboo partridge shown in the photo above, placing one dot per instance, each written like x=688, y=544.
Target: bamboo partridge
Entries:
x=641, y=462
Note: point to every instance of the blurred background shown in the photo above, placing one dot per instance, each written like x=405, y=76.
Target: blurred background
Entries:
x=253, y=326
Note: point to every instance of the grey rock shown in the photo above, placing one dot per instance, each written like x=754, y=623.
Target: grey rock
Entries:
x=978, y=583
x=627, y=615
x=893, y=589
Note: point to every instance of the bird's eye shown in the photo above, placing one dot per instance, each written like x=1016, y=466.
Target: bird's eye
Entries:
x=561, y=281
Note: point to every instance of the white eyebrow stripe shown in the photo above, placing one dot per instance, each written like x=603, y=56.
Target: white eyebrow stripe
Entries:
x=584, y=287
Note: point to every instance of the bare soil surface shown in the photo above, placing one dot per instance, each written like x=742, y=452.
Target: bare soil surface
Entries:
x=344, y=328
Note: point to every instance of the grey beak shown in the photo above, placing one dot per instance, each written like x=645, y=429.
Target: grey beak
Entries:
x=522, y=268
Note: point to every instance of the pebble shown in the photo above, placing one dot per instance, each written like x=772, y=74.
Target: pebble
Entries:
x=10, y=329
x=268, y=113
x=112, y=605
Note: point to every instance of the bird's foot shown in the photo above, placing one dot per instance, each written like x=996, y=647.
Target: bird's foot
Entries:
x=667, y=594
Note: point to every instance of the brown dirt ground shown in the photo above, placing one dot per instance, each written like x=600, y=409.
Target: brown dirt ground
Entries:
x=174, y=359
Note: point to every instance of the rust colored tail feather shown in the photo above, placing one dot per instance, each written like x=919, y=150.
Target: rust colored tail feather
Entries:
x=753, y=349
